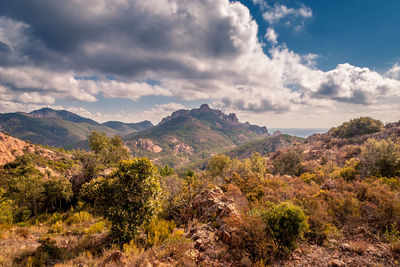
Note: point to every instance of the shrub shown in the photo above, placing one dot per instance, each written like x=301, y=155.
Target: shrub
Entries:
x=79, y=217
x=287, y=223
x=5, y=209
x=358, y=126
x=128, y=199
x=380, y=158
x=96, y=228
x=350, y=170
x=157, y=231
x=289, y=161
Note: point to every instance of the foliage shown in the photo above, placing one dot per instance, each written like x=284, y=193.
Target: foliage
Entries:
x=351, y=170
x=128, y=199
x=358, y=126
x=157, y=231
x=289, y=161
x=381, y=158
x=218, y=164
x=287, y=223
x=110, y=151
x=166, y=171
x=6, y=215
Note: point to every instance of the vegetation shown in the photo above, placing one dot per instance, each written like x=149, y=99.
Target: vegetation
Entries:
x=129, y=198
x=102, y=207
x=359, y=126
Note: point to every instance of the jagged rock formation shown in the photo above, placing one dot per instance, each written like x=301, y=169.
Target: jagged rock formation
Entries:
x=204, y=109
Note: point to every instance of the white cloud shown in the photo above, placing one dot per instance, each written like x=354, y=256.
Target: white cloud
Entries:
x=271, y=36
x=194, y=50
x=394, y=72
x=279, y=12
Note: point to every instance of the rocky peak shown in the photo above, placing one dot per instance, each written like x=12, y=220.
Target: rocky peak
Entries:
x=204, y=108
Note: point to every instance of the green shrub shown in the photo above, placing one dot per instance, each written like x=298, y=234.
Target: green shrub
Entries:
x=287, y=223
x=128, y=199
x=350, y=170
x=79, y=217
x=289, y=161
x=158, y=230
x=358, y=126
x=380, y=158
x=6, y=215
x=96, y=228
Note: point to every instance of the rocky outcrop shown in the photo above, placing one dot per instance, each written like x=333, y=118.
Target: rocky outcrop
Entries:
x=181, y=148
x=212, y=235
x=148, y=145
x=11, y=148
x=211, y=205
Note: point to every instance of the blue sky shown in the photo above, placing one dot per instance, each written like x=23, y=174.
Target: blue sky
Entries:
x=364, y=33
x=286, y=63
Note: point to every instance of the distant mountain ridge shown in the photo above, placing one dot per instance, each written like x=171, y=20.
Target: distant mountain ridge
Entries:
x=61, y=128
x=59, y=114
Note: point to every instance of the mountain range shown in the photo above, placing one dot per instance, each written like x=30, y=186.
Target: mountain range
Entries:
x=186, y=136
x=61, y=128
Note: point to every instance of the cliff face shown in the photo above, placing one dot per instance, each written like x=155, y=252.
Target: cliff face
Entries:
x=217, y=116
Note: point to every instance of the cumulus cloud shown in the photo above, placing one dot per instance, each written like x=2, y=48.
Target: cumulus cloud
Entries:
x=271, y=36
x=394, y=72
x=194, y=50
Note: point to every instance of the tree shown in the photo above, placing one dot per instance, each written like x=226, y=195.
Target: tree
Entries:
x=380, y=158
x=57, y=190
x=128, y=198
x=110, y=151
x=218, y=165
x=166, y=171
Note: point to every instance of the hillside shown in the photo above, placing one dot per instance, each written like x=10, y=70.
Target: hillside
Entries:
x=264, y=146
x=60, y=128
x=301, y=205
x=192, y=135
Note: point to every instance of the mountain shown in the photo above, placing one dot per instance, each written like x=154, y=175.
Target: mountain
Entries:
x=60, y=128
x=127, y=128
x=264, y=146
x=192, y=135
x=48, y=113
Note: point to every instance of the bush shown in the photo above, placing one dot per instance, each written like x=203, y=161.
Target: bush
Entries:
x=287, y=223
x=157, y=231
x=128, y=199
x=350, y=170
x=358, y=126
x=289, y=161
x=5, y=209
x=380, y=158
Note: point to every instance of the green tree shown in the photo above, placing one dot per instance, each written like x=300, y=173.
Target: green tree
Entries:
x=166, y=171
x=57, y=190
x=5, y=208
x=358, y=126
x=218, y=164
x=380, y=158
x=110, y=151
x=129, y=198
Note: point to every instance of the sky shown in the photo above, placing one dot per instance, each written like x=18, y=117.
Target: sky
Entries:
x=294, y=64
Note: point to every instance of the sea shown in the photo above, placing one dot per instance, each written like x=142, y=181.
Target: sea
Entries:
x=300, y=132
